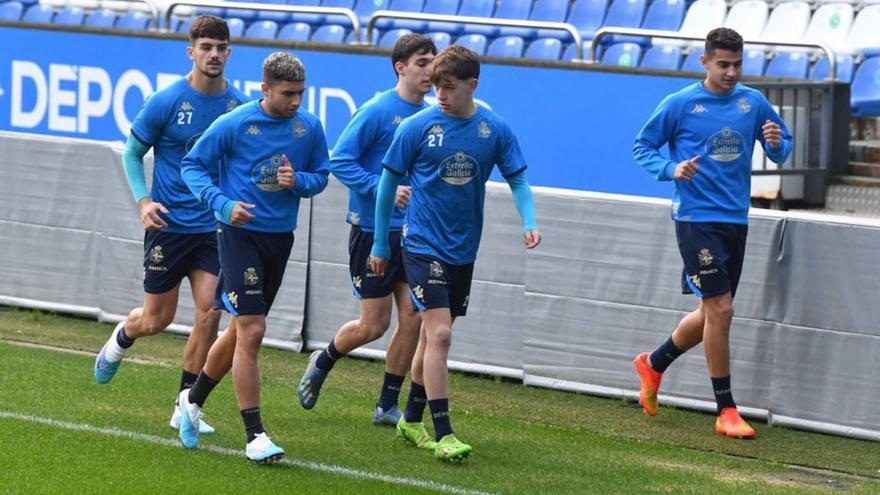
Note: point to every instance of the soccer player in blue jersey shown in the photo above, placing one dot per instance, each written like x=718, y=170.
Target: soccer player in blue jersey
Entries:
x=711, y=128
x=273, y=154
x=179, y=240
x=357, y=163
x=448, y=151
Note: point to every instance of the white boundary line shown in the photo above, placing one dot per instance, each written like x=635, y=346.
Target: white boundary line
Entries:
x=313, y=466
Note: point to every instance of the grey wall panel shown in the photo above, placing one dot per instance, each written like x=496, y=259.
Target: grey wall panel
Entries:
x=330, y=301
x=120, y=276
x=330, y=237
x=285, y=320
x=502, y=253
x=492, y=332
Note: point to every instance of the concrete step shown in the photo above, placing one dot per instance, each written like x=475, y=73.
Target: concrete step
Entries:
x=863, y=169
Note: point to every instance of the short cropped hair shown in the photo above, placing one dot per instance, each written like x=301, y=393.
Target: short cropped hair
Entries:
x=280, y=66
x=457, y=61
x=723, y=39
x=208, y=26
x=409, y=45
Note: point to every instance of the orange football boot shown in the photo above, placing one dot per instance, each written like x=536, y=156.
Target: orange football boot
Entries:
x=650, y=379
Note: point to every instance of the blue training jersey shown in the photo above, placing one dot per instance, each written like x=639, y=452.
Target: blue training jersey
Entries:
x=449, y=160
x=357, y=157
x=250, y=143
x=171, y=121
x=719, y=128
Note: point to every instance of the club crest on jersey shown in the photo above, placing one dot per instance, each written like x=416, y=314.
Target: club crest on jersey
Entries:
x=299, y=130
x=354, y=218
x=251, y=277
x=156, y=255
x=484, y=131
x=705, y=257
x=458, y=169
x=186, y=107
x=725, y=145
x=253, y=131
x=231, y=104
x=397, y=120
x=265, y=174
x=192, y=141
x=743, y=105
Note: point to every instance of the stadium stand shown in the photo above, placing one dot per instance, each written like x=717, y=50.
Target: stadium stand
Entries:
x=544, y=49
x=475, y=8
x=299, y=31
x=134, y=20
x=622, y=55
x=506, y=46
x=865, y=90
x=789, y=64
x=748, y=18
x=476, y=42
x=330, y=33
x=70, y=16
x=11, y=11
x=441, y=40
x=103, y=18
x=662, y=57
x=754, y=62
x=391, y=37
x=442, y=7
x=845, y=68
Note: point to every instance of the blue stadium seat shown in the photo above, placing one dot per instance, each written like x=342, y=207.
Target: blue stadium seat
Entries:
x=622, y=55
x=444, y=7
x=134, y=20
x=664, y=15
x=279, y=17
x=365, y=8
x=624, y=13
x=476, y=42
x=236, y=27
x=298, y=31
x=475, y=8
x=789, y=64
x=219, y=12
x=403, y=6
x=547, y=11
x=662, y=57
x=70, y=16
x=506, y=46
x=262, y=30
x=570, y=52
x=865, y=90
x=544, y=49
x=313, y=19
x=441, y=40
x=11, y=11
x=390, y=38
x=329, y=33
x=845, y=68
x=27, y=3
x=183, y=27
x=338, y=19
x=103, y=18
x=511, y=9
x=587, y=17
x=754, y=62
x=692, y=62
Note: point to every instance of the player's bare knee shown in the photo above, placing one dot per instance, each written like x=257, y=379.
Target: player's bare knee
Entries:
x=440, y=337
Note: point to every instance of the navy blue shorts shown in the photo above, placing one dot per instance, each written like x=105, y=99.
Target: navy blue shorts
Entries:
x=364, y=283
x=170, y=256
x=713, y=255
x=252, y=266
x=433, y=283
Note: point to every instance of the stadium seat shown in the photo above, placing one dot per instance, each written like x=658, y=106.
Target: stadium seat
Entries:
x=218, y=11
x=622, y=55
x=11, y=11
x=441, y=40
x=278, y=17
x=236, y=27
x=402, y=6
x=338, y=19
x=692, y=62
x=702, y=16
x=831, y=24
x=443, y=7
x=547, y=11
x=625, y=13
x=27, y=3
x=298, y=31
x=789, y=64
x=662, y=57
x=134, y=20
x=475, y=8
x=506, y=46
x=865, y=90
x=313, y=19
x=587, y=17
x=70, y=16
x=262, y=30
x=390, y=38
x=329, y=33
x=845, y=68
x=364, y=9
x=665, y=15
x=544, y=49
x=102, y=18
x=183, y=27
x=754, y=62
x=570, y=52
x=748, y=18
x=787, y=22
x=511, y=9
x=862, y=36
x=476, y=42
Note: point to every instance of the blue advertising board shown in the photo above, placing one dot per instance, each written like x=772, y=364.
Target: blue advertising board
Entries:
x=576, y=127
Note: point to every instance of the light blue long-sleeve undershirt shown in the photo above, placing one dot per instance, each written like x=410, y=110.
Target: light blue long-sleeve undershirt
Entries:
x=133, y=164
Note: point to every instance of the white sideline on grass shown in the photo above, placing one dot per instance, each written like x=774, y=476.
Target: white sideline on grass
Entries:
x=314, y=466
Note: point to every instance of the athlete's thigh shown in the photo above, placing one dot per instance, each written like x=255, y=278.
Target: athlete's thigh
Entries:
x=204, y=287
x=161, y=306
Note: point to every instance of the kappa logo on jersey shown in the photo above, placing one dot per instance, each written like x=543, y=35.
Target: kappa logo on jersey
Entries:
x=251, y=277
x=725, y=145
x=299, y=130
x=484, y=130
x=436, y=129
x=186, y=107
x=743, y=105
x=458, y=169
x=695, y=279
x=357, y=282
x=397, y=120
x=253, y=131
x=699, y=109
x=419, y=293
x=156, y=255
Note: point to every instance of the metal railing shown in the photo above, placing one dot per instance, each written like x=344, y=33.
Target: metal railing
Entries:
x=482, y=21
x=652, y=33
x=263, y=7
x=154, y=11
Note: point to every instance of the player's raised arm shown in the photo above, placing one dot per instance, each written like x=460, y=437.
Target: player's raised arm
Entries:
x=656, y=132
x=774, y=135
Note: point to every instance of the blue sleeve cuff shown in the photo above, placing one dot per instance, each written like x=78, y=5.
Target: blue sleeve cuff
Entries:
x=226, y=210
x=668, y=171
